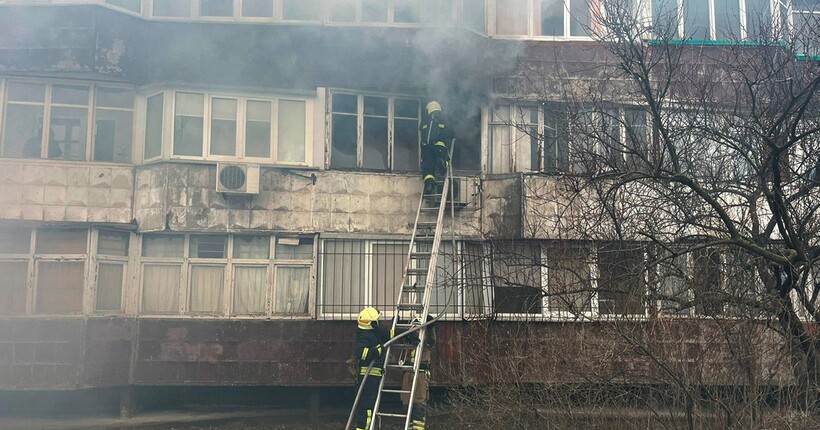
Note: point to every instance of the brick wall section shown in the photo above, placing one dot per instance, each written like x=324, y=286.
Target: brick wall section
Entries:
x=53, y=191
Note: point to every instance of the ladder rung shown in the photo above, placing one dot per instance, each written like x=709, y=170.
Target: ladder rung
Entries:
x=412, y=289
x=389, y=415
x=429, y=208
x=386, y=390
x=404, y=368
x=411, y=307
x=403, y=345
x=427, y=224
x=419, y=255
x=417, y=271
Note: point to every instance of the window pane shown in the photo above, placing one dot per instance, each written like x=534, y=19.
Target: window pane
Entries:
x=406, y=11
x=206, y=284
x=407, y=108
x=23, y=134
x=69, y=94
x=292, y=286
x=705, y=282
x=343, y=153
x=132, y=5
x=758, y=18
x=173, y=8
x=25, y=92
x=60, y=287
x=475, y=278
x=342, y=275
x=620, y=280
x=440, y=11
x=475, y=15
x=291, y=134
x=374, y=11
x=115, y=98
x=109, y=287
x=292, y=248
x=343, y=10
x=249, y=290
x=223, y=126
x=386, y=269
x=257, y=8
x=665, y=17
x=674, y=295
x=552, y=18
x=162, y=246
x=500, y=140
x=68, y=133
x=556, y=145
x=208, y=246
x=406, y=144
x=258, y=129
x=188, y=121
x=300, y=10
x=696, y=19
x=727, y=19
x=112, y=136
x=375, y=133
x=13, y=288
x=216, y=7
x=569, y=280
x=160, y=288
x=63, y=241
x=15, y=240
x=345, y=103
x=251, y=247
x=511, y=17
x=517, y=272
x=112, y=243
x=153, y=127
x=581, y=17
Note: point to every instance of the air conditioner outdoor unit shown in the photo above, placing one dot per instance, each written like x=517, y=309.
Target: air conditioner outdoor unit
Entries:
x=237, y=178
x=463, y=191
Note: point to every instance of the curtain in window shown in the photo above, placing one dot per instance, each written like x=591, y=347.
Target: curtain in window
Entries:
x=500, y=141
x=343, y=276
x=207, y=283
x=109, y=286
x=388, y=263
x=292, y=290
x=60, y=286
x=160, y=288
x=249, y=290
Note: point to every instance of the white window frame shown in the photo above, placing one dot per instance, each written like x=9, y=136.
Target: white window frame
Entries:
x=229, y=264
x=97, y=259
x=531, y=5
x=91, y=116
x=360, y=116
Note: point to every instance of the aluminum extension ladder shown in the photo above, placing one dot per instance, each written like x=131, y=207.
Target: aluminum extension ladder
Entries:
x=416, y=288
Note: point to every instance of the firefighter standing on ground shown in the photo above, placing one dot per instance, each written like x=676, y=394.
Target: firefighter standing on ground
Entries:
x=436, y=138
x=421, y=395
x=369, y=340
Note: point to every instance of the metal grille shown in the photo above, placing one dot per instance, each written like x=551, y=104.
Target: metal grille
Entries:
x=354, y=274
x=232, y=177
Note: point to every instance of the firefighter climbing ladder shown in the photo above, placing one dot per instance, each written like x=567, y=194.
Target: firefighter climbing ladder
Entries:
x=418, y=281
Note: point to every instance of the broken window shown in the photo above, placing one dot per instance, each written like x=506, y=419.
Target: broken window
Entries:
x=517, y=278
x=384, y=120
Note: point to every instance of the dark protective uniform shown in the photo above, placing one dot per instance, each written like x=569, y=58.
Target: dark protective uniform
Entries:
x=369, y=349
x=436, y=138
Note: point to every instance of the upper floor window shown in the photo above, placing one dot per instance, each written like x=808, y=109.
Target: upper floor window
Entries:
x=374, y=132
x=393, y=11
x=67, y=122
x=553, y=139
x=701, y=20
x=131, y=5
x=560, y=18
x=220, y=127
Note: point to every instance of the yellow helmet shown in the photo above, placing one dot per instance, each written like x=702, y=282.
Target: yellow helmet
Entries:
x=433, y=106
x=367, y=317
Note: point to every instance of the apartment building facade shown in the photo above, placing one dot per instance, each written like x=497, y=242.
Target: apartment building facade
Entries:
x=205, y=192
